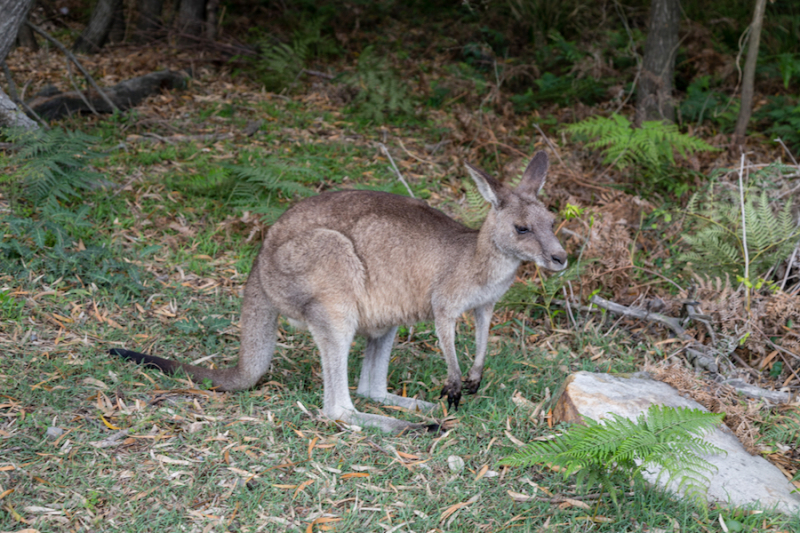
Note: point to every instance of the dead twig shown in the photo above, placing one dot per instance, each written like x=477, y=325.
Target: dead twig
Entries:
x=12, y=90
x=396, y=170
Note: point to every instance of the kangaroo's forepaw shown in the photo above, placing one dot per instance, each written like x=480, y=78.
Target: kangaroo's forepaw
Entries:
x=453, y=392
x=472, y=385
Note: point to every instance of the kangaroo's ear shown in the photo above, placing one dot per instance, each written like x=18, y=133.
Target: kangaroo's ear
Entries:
x=534, y=176
x=488, y=186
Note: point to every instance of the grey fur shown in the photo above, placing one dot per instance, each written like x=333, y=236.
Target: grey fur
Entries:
x=363, y=262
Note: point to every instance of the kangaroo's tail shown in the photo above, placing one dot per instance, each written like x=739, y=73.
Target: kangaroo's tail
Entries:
x=259, y=324
x=165, y=365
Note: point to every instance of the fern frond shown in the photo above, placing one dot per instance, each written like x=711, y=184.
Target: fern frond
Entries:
x=54, y=164
x=652, y=145
x=666, y=438
x=785, y=429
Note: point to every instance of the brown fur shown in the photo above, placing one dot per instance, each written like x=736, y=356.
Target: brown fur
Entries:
x=362, y=262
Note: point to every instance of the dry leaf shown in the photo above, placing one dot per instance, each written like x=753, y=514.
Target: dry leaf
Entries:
x=513, y=439
x=353, y=474
x=519, y=497
x=303, y=486
x=455, y=507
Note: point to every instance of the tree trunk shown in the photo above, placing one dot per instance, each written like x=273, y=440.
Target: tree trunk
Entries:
x=14, y=14
x=149, y=22
x=96, y=33
x=116, y=34
x=654, y=97
x=191, y=19
x=749, y=75
x=11, y=116
x=212, y=6
x=27, y=39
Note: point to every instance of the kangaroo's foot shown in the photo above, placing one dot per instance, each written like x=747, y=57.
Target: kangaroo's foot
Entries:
x=452, y=389
x=412, y=404
x=384, y=423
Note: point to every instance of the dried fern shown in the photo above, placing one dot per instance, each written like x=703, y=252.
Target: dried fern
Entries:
x=716, y=238
x=666, y=438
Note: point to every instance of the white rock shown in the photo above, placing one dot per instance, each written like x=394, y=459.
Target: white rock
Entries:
x=741, y=478
x=455, y=463
x=54, y=432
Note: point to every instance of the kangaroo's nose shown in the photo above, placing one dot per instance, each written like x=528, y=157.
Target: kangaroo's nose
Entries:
x=560, y=258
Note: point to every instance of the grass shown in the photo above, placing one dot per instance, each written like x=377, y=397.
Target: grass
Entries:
x=262, y=460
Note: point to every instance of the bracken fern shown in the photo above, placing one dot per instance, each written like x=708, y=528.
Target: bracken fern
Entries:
x=381, y=91
x=665, y=438
x=716, y=239
x=53, y=164
x=652, y=145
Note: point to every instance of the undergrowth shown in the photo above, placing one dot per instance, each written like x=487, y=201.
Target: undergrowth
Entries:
x=716, y=240
x=607, y=453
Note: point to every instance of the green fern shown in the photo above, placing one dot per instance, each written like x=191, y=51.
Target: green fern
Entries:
x=716, y=238
x=54, y=164
x=666, y=438
x=380, y=91
x=280, y=64
x=523, y=296
x=785, y=429
x=652, y=145
x=270, y=177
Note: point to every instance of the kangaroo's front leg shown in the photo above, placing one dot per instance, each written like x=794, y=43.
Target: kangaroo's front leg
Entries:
x=483, y=318
x=446, y=331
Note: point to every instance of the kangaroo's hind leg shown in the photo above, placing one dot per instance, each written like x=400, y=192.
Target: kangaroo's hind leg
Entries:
x=374, y=372
x=333, y=340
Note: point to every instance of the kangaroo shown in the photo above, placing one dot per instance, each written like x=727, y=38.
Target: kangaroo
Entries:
x=364, y=262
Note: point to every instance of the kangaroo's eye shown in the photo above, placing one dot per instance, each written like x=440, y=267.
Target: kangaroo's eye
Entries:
x=522, y=229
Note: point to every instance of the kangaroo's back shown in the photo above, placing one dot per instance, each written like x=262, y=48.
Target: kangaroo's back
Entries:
x=380, y=253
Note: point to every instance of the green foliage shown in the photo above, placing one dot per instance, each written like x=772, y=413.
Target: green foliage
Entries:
x=280, y=64
x=780, y=118
x=254, y=186
x=603, y=453
x=53, y=164
x=789, y=67
x=653, y=145
x=44, y=245
x=651, y=148
x=562, y=90
x=526, y=295
x=784, y=429
x=53, y=174
x=381, y=92
x=704, y=103
x=10, y=307
x=716, y=237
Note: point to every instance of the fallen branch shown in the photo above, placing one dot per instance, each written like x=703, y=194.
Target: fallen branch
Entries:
x=632, y=312
x=72, y=58
x=695, y=352
x=123, y=95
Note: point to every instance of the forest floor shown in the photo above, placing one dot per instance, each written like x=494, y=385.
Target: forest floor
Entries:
x=156, y=262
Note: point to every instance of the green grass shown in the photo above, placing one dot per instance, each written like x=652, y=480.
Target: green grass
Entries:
x=255, y=460
x=236, y=460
